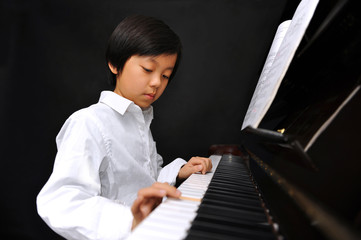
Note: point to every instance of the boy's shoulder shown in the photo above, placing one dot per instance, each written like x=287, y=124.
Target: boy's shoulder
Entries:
x=93, y=110
x=88, y=114
x=82, y=122
x=86, y=118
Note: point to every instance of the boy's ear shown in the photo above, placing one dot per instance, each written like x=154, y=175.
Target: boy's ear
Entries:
x=112, y=68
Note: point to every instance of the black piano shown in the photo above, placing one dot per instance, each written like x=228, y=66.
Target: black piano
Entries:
x=298, y=175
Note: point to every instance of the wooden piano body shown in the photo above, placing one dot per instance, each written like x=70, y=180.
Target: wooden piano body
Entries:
x=308, y=180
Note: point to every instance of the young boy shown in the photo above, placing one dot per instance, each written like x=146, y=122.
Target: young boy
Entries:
x=107, y=175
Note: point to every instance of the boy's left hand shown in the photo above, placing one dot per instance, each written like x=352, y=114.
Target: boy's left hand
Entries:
x=195, y=164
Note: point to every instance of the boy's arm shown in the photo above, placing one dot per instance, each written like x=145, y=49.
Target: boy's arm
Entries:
x=70, y=202
x=178, y=170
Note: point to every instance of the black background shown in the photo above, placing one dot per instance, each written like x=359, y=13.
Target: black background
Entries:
x=52, y=64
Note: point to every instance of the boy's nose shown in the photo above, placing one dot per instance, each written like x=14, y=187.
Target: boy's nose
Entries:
x=155, y=81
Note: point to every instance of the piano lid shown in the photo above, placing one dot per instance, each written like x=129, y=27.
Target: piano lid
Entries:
x=319, y=105
x=323, y=76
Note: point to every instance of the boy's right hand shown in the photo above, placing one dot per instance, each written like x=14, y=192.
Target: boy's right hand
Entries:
x=149, y=198
x=195, y=164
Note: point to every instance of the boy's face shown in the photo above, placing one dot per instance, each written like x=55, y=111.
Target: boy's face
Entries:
x=144, y=78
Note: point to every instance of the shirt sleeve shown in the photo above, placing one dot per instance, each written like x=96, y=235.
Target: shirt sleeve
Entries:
x=71, y=202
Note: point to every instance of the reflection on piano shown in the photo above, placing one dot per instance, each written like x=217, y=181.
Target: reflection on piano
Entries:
x=289, y=185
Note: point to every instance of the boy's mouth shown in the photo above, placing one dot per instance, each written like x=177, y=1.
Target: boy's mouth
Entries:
x=150, y=95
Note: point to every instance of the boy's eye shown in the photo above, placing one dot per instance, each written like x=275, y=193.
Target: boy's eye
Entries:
x=146, y=69
x=165, y=77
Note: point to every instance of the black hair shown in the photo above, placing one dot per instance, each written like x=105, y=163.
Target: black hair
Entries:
x=143, y=36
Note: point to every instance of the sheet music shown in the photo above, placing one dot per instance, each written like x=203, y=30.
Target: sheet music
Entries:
x=253, y=114
x=278, y=62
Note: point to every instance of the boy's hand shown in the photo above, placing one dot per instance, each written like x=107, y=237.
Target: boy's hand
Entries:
x=149, y=198
x=195, y=164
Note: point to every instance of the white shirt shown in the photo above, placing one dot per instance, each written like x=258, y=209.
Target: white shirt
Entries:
x=106, y=153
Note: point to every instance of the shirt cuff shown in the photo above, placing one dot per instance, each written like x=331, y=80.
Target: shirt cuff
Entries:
x=116, y=223
x=170, y=172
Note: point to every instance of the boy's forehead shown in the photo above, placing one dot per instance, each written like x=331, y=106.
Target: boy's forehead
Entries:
x=157, y=59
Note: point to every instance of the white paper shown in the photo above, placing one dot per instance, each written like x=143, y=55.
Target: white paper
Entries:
x=276, y=67
x=258, y=99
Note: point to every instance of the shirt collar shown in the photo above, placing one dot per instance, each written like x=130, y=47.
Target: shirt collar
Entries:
x=115, y=101
x=121, y=104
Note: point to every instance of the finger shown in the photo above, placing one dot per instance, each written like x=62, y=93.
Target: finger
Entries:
x=208, y=164
x=195, y=167
x=159, y=190
x=136, y=205
x=142, y=207
x=170, y=191
x=151, y=197
x=143, y=197
x=151, y=192
x=200, y=161
x=188, y=170
x=149, y=205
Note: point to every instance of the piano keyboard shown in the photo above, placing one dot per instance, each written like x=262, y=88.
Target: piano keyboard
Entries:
x=222, y=204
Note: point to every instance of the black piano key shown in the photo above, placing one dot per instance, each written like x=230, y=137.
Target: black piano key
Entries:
x=233, y=169
x=234, y=179
x=235, y=186
x=235, y=205
x=237, y=183
x=202, y=235
x=215, y=196
x=225, y=192
x=236, y=222
x=233, y=172
x=232, y=213
x=231, y=231
x=216, y=187
x=231, y=207
x=246, y=180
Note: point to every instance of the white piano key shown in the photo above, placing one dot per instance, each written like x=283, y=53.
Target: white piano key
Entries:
x=171, y=229
x=171, y=219
x=183, y=203
x=156, y=234
x=193, y=195
x=174, y=213
x=161, y=222
x=190, y=187
x=166, y=221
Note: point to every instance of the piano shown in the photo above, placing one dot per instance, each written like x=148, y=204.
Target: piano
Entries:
x=298, y=174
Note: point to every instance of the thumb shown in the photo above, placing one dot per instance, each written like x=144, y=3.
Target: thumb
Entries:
x=189, y=170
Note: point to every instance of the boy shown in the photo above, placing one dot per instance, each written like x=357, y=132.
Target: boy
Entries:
x=107, y=175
